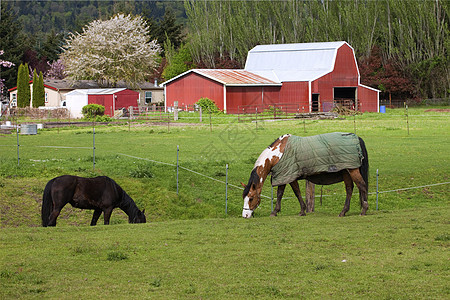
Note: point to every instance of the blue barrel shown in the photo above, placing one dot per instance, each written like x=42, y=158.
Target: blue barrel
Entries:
x=382, y=109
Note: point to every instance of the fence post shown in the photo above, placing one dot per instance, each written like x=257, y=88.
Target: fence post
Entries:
x=201, y=116
x=93, y=148
x=178, y=165
x=210, y=124
x=256, y=118
x=18, y=145
x=226, y=190
x=407, y=118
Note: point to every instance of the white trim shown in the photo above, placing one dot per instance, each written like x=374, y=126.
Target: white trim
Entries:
x=224, y=98
x=165, y=99
x=309, y=97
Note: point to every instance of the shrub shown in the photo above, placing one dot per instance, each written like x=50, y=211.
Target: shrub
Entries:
x=91, y=111
x=207, y=104
x=103, y=119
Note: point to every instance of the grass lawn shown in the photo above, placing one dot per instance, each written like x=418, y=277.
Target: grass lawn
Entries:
x=393, y=255
x=191, y=249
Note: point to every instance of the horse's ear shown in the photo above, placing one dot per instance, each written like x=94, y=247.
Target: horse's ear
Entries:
x=143, y=211
x=243, y=184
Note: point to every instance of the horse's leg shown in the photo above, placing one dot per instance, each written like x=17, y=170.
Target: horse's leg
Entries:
x=296, y=189
x=54, y=214
x=349, y=190
x=362, y=186
x=95, y=216
x=280, y=192
x=107, y=215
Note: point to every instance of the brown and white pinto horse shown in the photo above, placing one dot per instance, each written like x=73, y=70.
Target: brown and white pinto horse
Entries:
x=272, y=155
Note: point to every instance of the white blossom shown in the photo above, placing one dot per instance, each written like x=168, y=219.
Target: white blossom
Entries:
x=112, y=50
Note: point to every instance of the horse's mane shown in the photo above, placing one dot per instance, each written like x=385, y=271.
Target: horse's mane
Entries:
x=254, y=179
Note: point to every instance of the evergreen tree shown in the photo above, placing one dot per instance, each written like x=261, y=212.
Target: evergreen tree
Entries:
x=23, y=86
x=35, y=89
x=12, y=42
x=41, y=90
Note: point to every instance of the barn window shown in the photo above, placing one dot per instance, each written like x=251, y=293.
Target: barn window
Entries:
x=148, y=97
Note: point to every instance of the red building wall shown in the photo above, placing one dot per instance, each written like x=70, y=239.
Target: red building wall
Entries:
x=250, y=98
x=345, y=74
x=126, y=98
x=296, y=94
x=366, y=98
x=188, y=89
x=105, y=100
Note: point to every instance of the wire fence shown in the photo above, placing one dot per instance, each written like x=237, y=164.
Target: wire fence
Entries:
x=179, y=167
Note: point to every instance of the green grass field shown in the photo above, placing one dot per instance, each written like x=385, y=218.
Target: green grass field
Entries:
x=191, y=249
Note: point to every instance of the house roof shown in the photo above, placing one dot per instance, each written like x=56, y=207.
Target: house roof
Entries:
x=293, y=62
x=95, y=91
x=230, y=77
x=66, y=84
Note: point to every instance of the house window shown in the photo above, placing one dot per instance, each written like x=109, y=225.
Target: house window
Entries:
x=148, y=97
x=14, y=100
x=46, y=97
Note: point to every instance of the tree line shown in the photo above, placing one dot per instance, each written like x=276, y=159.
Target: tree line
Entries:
x=406, y=39
x=401, y=46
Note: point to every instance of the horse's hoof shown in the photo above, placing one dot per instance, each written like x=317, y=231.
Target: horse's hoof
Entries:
x=273, y=215
x=302, y=214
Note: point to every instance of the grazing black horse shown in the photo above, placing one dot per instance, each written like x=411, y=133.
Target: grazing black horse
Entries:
x=102, y=194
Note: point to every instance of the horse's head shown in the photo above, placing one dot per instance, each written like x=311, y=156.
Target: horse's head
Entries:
x=139, y=217
x=251, y=195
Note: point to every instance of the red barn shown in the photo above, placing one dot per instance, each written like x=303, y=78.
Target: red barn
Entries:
x=113, y=99
x=306, y=77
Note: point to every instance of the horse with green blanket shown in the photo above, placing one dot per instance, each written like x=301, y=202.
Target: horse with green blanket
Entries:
x=322, y=159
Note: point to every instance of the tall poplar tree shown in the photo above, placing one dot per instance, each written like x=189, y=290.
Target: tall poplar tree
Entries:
x=41, y=90
x=23, y=86
x=34, y=95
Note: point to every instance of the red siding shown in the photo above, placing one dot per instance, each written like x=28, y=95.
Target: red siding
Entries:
x=105, y=100
x=345, y=74
x=190, y=88
x=295, y=93
x=368, y=99
x=251, y=98
x=123, y=99
x=126, y=98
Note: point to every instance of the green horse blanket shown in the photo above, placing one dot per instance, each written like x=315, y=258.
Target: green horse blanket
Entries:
x=305, y=156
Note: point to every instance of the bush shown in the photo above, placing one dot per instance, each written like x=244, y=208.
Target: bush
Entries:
x=91, y=111
x=207, y=104
x=103, y=119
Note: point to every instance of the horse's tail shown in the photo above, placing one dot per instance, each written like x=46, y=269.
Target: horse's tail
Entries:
x=47, y=203
x=364, y=169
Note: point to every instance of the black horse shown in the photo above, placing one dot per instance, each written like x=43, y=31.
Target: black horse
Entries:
x=102, y=194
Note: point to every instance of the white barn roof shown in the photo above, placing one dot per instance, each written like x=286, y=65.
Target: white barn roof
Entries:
x=293, y=62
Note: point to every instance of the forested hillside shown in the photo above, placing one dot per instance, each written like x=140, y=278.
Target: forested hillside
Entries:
x=39, y=17
x=401, y=46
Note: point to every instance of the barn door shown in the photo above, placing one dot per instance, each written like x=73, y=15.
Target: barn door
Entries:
x=315, y=102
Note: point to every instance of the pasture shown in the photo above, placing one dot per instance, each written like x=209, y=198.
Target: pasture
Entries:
x=191, y=249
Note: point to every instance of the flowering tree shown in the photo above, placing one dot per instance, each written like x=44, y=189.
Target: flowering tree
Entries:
x=6, y=64
x=112, y=50
x=56, y=70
